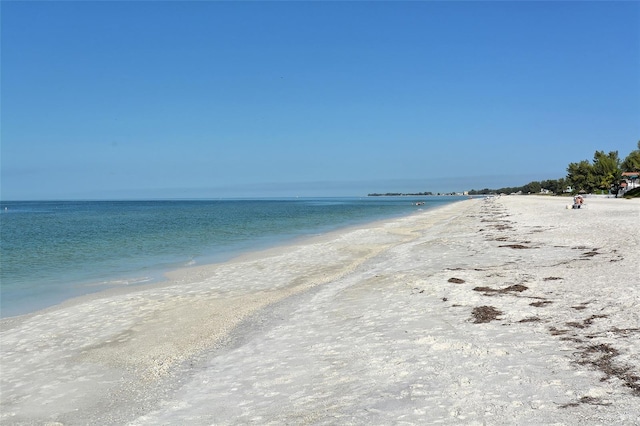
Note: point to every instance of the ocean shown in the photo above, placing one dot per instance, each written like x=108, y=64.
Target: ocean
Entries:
x=51, y=251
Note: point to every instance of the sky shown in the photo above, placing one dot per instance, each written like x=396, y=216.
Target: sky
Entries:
x=206, y=99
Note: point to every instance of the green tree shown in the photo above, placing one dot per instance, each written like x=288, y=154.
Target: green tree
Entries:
x=580, y=176
x=557, y=186
x=532, y=188
x=631, y=162
x=606, y=170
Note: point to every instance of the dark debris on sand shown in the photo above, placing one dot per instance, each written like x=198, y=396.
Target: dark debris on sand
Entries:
x=601, y=357
x=517, y=288
x=483, y=314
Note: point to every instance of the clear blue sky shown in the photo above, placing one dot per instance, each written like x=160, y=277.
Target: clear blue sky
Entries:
x=219, y=99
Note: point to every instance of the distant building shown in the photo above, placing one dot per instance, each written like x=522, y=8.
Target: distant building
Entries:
x=630, y=180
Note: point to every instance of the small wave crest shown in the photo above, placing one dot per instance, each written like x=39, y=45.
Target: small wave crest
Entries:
x=121, y=282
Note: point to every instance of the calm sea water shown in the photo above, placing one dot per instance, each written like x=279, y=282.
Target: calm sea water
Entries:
x=52, y=251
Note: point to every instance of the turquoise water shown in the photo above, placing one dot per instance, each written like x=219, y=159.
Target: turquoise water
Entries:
x=52, y=251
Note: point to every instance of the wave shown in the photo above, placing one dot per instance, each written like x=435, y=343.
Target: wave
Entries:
x=120, y=282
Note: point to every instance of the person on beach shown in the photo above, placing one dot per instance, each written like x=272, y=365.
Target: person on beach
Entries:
x=577, y=201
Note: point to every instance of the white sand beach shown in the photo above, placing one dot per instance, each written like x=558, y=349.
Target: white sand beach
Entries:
x=513, y=310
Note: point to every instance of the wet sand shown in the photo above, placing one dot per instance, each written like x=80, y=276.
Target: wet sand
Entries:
x=512, y=310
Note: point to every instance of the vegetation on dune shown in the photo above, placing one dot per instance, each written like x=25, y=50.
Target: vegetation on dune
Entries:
x=633, y=193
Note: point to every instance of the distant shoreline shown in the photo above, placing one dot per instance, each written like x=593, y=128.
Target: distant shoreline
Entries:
x=417, y=194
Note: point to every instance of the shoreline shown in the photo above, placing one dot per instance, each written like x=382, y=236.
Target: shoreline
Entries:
x=382, y=323
x=130, y=340
x=190, y=273
x=143, y=275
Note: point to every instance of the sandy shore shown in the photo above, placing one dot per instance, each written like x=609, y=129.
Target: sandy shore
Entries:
x=506, y=311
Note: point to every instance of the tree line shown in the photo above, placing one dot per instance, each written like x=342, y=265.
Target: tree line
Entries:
x=602, y=175
x=398, y=194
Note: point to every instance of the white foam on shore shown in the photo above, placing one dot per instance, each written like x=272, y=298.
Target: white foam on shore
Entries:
x=361, y=326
